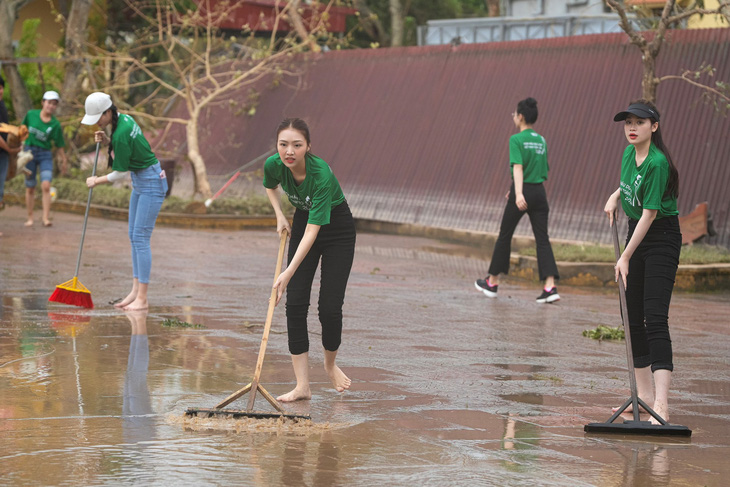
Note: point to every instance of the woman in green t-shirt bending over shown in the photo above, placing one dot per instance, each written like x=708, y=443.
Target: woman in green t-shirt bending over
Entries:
x=322, y=228
x=133, y=155
x=648, y=265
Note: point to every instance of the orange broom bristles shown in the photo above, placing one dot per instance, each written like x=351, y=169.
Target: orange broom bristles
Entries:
x=74, y=293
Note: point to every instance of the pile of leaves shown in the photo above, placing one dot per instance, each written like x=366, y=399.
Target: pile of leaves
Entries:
x=603, y=332
x=177, y=323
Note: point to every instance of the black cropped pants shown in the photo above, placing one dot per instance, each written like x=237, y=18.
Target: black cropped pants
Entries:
x=649, y=285
x=335, y=246
x=538, y=210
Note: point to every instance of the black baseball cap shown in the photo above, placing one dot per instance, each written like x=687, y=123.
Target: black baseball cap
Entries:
x=638, y=109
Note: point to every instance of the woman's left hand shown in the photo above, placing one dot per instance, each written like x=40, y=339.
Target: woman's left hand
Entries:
x=281, y=283
x=622, y=269
x=91, y=181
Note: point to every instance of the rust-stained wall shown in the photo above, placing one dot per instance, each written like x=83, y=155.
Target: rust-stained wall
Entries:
x=419, y=135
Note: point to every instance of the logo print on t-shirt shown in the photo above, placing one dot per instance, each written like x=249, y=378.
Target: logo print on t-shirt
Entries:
x=637, y=183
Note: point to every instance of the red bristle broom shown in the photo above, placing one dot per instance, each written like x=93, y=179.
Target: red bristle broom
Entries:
x=73, y=292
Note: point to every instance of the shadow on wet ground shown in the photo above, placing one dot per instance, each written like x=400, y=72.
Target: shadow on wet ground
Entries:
x=449, y=387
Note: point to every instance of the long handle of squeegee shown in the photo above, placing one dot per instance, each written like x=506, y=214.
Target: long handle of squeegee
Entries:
x=625, y=320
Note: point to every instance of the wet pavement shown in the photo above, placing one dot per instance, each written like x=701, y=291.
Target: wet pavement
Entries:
x=449, y=387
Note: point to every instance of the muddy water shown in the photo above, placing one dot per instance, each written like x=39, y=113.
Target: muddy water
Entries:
x=448, y=386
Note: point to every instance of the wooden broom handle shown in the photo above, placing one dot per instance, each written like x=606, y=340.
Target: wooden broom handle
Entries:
x=267, y=326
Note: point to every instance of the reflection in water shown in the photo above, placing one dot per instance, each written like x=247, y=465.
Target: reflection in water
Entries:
x=328, y=461
x=298, y=466
x=137, y=420
x=647, y=465
x=71, y=324
x=522, y=438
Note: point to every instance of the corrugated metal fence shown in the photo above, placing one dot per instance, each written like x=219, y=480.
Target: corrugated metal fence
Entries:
x=419, y=135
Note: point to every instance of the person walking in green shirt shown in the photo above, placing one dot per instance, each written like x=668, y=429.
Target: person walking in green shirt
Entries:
x=322, y=228
x=648, y=192
x=529, y=166
x=44, y=131
x=131, y=154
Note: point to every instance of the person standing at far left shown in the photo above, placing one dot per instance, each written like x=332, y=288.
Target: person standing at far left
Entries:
x=44, y=131
x=5, y=149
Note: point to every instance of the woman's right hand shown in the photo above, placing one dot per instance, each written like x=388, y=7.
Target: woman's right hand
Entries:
x=100, y=136
x=611, y=208
x=282, y=224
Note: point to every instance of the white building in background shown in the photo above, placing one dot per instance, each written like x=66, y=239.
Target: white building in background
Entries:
x=553, y=8
x=524, y=19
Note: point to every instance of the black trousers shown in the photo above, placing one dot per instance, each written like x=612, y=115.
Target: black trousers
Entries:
x=649, y=286
x=538, y=211
x=335, y=246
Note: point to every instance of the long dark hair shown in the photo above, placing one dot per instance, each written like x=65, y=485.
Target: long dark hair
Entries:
x=656, y=138
x=297, y=124
x=528, y=109
x=115, y=120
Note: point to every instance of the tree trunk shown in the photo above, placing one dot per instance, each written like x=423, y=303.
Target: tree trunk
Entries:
x=296, y=20
x=8, y=15
x=370, y=22
x=202, y=185
x=396, y=23
x=493, y=8
x=649, y=80
x=76, y=24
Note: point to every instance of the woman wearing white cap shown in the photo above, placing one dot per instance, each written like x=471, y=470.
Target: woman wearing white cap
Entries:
x=44, y=131
x=131, y=154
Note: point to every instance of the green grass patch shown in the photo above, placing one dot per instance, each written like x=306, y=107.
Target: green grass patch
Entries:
x=576, y=252
x=690, y=254
x=603, y=332
x=176, y=323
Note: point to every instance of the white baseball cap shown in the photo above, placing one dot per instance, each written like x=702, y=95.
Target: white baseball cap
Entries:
x=51, y=95
x=95, y=106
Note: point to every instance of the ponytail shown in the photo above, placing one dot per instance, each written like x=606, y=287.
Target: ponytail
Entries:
x=673, y=180
x=115, y=120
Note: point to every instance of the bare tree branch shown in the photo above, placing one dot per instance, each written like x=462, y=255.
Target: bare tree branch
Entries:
x=700, y=11
x=685, y=77
x=635, y=37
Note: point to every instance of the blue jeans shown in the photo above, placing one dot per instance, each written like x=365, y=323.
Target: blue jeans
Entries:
x=42, y=162
x=3, y=172
x=148, y=193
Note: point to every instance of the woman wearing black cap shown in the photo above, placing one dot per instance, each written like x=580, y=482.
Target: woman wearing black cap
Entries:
x=648, y=265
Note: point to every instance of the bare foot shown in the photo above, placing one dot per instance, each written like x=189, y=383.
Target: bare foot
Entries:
x=296, y=395
x=126, y=301
x=662, y=409
x=28, y=223
x=338, y=378
x=137, y=305
x=47, y=223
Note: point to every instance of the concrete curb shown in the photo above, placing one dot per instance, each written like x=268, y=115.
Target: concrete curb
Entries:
x=691, y=278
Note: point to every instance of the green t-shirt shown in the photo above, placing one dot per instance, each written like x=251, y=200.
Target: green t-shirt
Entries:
x=529, y=149
x=132, y=152
x=40, y=133
x=644, y=186
x=317, y=194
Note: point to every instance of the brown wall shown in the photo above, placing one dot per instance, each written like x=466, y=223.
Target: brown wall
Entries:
x=419, y=135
